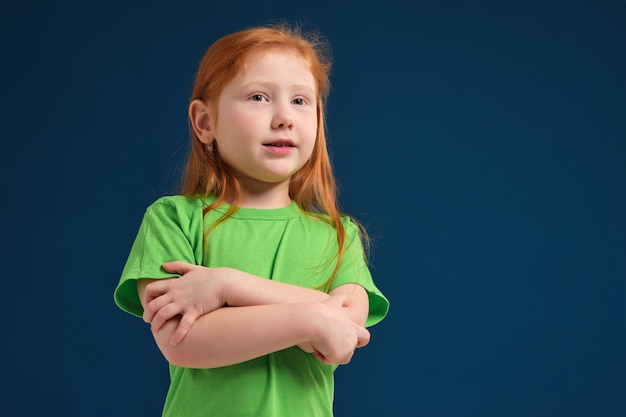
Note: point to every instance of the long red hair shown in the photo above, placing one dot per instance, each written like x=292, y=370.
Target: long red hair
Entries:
x=313, y=187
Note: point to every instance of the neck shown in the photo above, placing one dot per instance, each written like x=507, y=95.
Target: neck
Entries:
x=263, y=195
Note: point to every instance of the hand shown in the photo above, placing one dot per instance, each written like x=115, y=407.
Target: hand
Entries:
x=197, y=292
x=340, y=336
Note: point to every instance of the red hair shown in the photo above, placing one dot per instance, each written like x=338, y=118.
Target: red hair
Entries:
x=313, y=187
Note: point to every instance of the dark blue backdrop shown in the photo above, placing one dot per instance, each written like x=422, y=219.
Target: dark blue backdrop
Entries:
x=482, y=143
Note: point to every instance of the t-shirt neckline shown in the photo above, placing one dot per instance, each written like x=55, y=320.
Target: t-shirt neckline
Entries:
x=281, y=213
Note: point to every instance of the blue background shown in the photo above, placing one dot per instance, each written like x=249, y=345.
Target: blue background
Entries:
x=482, y=143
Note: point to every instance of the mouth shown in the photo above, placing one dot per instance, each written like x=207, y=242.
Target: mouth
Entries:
x=281, y=143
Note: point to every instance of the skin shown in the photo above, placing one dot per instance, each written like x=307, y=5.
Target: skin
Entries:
x=211, y=317
x=273, y=99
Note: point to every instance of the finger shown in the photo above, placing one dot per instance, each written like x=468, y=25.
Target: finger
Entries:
x=164, y=314
x=147, y=315
x=363, y=337
x=347, y=359
x=154, y=306
x=318, y=355
x=183, y=327
x=178, y=267
x=157, y=288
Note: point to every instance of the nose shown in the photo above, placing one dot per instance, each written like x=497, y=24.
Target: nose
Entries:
x=282, y=117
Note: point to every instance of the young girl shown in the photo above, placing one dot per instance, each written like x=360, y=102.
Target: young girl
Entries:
x=255, y=285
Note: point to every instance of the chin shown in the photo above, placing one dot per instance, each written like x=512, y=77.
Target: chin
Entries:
x=280, y=176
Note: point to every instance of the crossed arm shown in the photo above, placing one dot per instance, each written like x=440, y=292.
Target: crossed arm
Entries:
x=212, y=317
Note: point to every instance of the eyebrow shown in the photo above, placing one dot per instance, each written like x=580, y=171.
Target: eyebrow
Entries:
x=270, y=84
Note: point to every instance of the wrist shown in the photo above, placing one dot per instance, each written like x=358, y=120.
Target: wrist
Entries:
x=226, y=284
x=318, y=321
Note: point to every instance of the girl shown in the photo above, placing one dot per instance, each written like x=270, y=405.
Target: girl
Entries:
x=254, y=284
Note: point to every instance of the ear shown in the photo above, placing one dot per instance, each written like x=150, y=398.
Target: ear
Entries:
x=201, y=121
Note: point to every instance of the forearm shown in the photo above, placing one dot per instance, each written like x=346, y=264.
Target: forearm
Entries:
x=244, y=289
x=357, y=301
x=236, y=334
x=213, y=317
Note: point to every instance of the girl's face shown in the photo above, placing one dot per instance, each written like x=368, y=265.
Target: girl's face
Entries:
x=267, y=118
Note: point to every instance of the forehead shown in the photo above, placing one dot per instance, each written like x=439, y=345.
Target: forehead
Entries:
x=258, y=62
x=279, y=50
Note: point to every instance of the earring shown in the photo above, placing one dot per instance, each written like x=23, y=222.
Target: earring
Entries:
x=210, y=148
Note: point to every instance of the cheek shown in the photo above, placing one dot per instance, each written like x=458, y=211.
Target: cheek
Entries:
x=312, y=132
x=235, y=126
x=310, y=145
x=308, y=124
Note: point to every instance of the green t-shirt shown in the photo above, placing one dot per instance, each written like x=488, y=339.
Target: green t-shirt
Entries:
x=282, y=244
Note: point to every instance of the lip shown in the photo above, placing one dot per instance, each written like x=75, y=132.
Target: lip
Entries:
x=280, y=146
x=280, y=142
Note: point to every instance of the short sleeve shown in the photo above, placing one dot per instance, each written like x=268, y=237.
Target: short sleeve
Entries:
x=171, y=230
x=354, y=270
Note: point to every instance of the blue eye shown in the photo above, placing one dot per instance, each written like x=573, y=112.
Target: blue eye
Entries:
x=257, y=97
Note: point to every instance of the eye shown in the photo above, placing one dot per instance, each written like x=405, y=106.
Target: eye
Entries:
x=257, y=97
x=299, y=101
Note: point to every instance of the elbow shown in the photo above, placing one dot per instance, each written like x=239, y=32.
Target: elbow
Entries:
x=179, y=355
x=176, y=355
x=183, y=354
x=173, y=354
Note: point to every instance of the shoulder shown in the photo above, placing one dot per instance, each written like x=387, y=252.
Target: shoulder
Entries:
x=349, y=222
x=178, y=203
x=352, y=227
x=178, y=208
